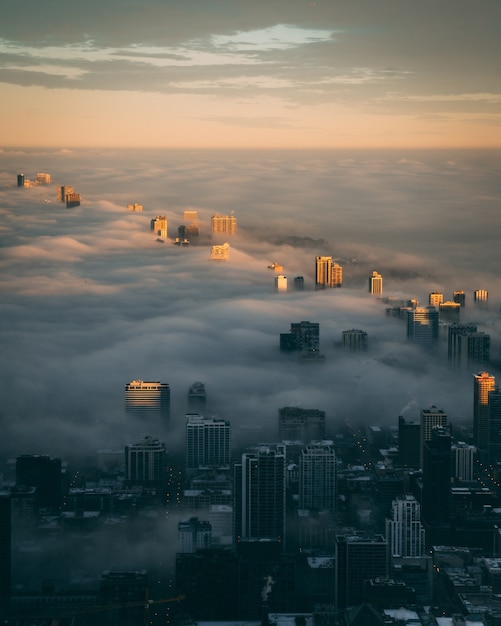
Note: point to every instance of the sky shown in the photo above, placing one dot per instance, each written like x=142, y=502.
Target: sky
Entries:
x=261, y=74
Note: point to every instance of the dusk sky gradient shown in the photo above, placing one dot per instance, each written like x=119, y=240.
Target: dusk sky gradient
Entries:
x=228, y=73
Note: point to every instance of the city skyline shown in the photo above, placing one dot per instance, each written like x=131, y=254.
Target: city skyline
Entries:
x=232, y=75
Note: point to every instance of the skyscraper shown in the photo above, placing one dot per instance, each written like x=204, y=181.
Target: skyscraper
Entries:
x=303, y=337
x=207, y=443
x=20, y=180
x=147, y=400
x=494, y=402
x=297, y=424
x=220, y=253
x=355, y=340
x=375, y=283
x=224, y=224
x=194, y=535
x=5, y=549
x=481, y=298
x=409, y=450
x=159, y=226
x=422, y=326
x=281, y=282
x=63, y=191
x=44, y=473
x=483, y=382
x=449, y=311
x=327, y=273
x=405, y=534
x=259, y=495
x=463, y=456
x=435, y=298
x=437, y=477
x=455, y=330
x=146, y=463
x=459, y=297
x=317, y=477
x=429, y=418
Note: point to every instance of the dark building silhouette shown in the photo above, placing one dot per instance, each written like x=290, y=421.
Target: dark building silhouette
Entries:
x=494, y=406
x=5, y=550
x=435, y=504
x=299, y=283
x=20, y=180
x=44, y=473
x=459, y=297
x=422, y=326
x=483, y=383
x=303, y=337
x=124, y=597
x=408, y=442
x=146, y=463
x=297, y=424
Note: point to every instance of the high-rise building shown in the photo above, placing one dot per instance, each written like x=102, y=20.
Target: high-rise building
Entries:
x=5, y=549
x=220, y=253
x=43, y=178
x=194, y=535
x=437, y=477
x=124, y=597
x=483, y=382
x=147, y=400
x=327, y=273
x=44, y=473
x=135, y=207
x=299, y=283
x=281, y=283
x=435, y=299
x=359, y=559
x=303, y=337
x=297, y=424
x=449, y=311
x=317, y=477
x=355, y=340
x=190, y=215
x=405, y=535
x=146, y=463
x=463, y=457
x=207, y=443
x=481, y=298
x=72, y=200
x=375, y=283
x=259, y=495
x=459, y=297
x=474, y=349
x=429, y=418
x=409, y=433
x=62, y=192
x=159, y=226
x=20, y=180
x=455, y=330
x=422, y=326
x=224, y=224
x=494, y=405
x=337, y=275
x=196, y=395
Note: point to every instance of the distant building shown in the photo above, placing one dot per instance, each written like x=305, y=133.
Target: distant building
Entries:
x=194, y=535
x=72, y=200
x=405, y=534
x=435, y=503
x=463, y=456
x=281, y=283
x=303, y=337
x=146, y=463
x=63, y=191
x=135, y=208
x=224, y=224
x=317, y=477
x=299, y=283
x=494, y=406
x=190, y=215
x=44, y=473
x=376, y=283
x=124, y=597
x=159, y=226
x=220, y=253
x=429, y=418
x=422, y=326
x=435, y=299
x=207, y=443
x=43, y=179
x=327, y=273
x=196, y=395
x=481, y=298
x=449, y=311
x=459, y=297
x=297, y=424
x=20, y=180
x=483, y=383
x=409, y=443
x=355, y=340
x=147, y=400
x=5, y=549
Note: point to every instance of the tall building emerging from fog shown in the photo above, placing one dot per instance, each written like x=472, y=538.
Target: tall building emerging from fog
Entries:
x=303, y=337
x=459, y=296
x=355, y=340
x=224, y=224
x=297, y=424
x=259, y=495
x=481, y=298
x=43, y=178
x=483, y=383
x=405, y=534
x=147, y=400
x=494, y=402
x=422, y=326
x=327, y=273
x=449, y=311
x=63, y=191
x=317, y=477
x=375, y=283
x=281, y=282
x=146, y=463
x=429, y=418
x=207, y=442
x=20, y=180
x=437, y=477
x=159, y=226
x=466, y=346
x=435, y=299
x=5, y=549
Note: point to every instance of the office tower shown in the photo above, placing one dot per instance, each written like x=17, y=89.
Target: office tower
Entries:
x=337, y=275
x=459, y=297
x=259, y=495
x=422, y=326
x=355, y=340
x=327, y=273
x=435, y=299
x=483, y=382
x=409, y=450
x=43, y=179
x=146, y=463
x=147, y=400
x=436, y=477
x=281, y=283
x=474, y=349
x=44, y=473
x=429, y=418
x=359, y=558
x=72, y=200
x=62, y=191
x=191, y=230
x=317, y=477
x=224, y=224
x=494, y=406
x=196, y=395
x=455, y=330
x=135, y=208
x=190, y=216
x=220, y=253
x=463, y=458
x=405, y=535
x=20, y=180
x=297, y=424
x=159, y=226
x=194, y=535
x=124, y=597
x=303, y=337
x=299, y=283
x=481, y=298
x=449, y=311
x=207, y=443
x=375, y=283
x=5, y=549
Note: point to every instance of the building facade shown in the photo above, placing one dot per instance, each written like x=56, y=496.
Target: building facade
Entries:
x=317, y=477
x=207, y=443
x=376, y=283
x=422, y=326
x=147, y=400
x=483, y=383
